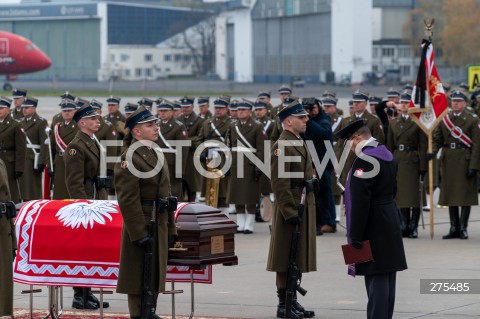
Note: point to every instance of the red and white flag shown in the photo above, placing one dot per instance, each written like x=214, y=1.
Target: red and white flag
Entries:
x=428, y=90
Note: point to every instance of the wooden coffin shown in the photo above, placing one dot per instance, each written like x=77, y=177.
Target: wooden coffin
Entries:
x=206, y=236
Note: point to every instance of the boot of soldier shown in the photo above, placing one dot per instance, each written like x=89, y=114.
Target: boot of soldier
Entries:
x=300, y=308
x=281, y=308
x=464, y=215
x=413, y=227
x=79, y=301
x=405, y=221
x=454, y=223
x=258, y=216
x=241, y=222
x=94, y=299
x=249, y=223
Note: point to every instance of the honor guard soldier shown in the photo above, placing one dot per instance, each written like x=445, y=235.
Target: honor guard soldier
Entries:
x=277, y=130
x=147, y=103
x=115, y=117
x=246, y=136
x=177, y=108
x=34, y=128
x=329, y=103
x=213, y=132
x=12, y=148
x=286, y=218
x=58, y=117
x=283, y=92
x=106, y=132
x=130, y=108
x=393, y=95
x=261, y=114
x=193, y=124
x=18, y=96
x=171, y=130
x=459, y=136
x=360, y=100
x=144, y=196
x=203, y=105
x=82, y=176
x=8, y=243
x=408, y=143
x=265, y=97
x=63, y=133
x=233, y=110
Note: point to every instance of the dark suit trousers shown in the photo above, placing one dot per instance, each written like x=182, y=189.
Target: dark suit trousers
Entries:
x=381, y=295
x=324, y=202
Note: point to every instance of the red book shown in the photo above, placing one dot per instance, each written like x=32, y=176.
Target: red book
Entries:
x=354, y=255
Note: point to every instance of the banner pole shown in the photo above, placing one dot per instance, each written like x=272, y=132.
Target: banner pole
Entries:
x=430, y=182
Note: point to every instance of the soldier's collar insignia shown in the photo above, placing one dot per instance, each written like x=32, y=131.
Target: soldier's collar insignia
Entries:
x=277, y=152
x=124, y=164
x=72, y=152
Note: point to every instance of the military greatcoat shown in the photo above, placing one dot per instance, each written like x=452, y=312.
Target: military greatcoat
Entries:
x=106, y=132
x=408, y=143
x=456, y=188
x=268, y=126
x=31, y=180
x=8, y=242
x=131, y=190
x=243, y=187
x=82, y=166
x=287, y=200
x=193, y=124
x=65, y=132
x=12, y=152
x=173, y=130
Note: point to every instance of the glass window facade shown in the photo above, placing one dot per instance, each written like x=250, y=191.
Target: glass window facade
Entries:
x=147, y=25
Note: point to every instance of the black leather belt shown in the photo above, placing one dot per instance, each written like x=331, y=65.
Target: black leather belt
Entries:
x=99, y=182
x=455, y=146
x=406, y=148
x=162, y=205
x=8, y=209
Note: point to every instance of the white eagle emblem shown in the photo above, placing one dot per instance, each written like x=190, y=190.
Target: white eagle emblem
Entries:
x=86, y=214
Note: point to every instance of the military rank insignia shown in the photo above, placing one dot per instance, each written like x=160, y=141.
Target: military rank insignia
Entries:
x=72, y=152
x=277, y=152
x=124, y=164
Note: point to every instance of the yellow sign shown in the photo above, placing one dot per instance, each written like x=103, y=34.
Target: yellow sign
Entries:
x=473, y=76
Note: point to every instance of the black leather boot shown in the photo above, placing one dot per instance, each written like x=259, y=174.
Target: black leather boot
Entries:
x=413, y=227
x=80, y=299
x=297, y=306
x=464, y=215
x=92, y=298
x=405, y=221
x=454, y=223
x=281, y=309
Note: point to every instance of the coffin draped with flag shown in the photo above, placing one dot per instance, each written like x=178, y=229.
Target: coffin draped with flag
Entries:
x=77, y=243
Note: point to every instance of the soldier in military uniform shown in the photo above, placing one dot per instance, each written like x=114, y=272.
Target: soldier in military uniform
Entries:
x=246, y=136
x=329, y=103
x=212, y=132
x=33, y=126
x=106, y=132
x=170, y=130
x=193, y=124
x=261, y=114
x=233, y=110
x=203, y=105
x=288, y=192
x=12, y=147
x=147, y=103
x=8, y=244
x=408, y=143
x=18, y=96
x=58, y=117
x=359, y=101
x=82, y=170
x=141, y=198
x=265, y=97
x=284, y=92
x=458, y=136
x=63, y=133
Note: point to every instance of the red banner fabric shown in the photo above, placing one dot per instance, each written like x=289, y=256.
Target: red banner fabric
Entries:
x=76, y=243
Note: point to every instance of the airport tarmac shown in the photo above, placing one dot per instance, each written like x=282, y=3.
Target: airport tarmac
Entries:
x=248, y=290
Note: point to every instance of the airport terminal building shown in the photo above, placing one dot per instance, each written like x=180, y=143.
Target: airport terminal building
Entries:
x=81, y=37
